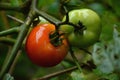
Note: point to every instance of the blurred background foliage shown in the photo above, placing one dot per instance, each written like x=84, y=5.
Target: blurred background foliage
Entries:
x=106, y=59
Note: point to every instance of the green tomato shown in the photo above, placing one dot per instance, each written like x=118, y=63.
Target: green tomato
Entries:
x=92, y=23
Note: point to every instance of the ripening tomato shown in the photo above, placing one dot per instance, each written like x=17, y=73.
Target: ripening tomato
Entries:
x=39, y=48
x=86, y=37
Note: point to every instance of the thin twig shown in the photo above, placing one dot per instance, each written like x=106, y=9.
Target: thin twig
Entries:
x=14, y=18
x=46, y=16
x=15, y=61
x=19, y=8
x=75, y=59
x=7, y=40
x=57, y=73
x=10, y=31
x=86, y=51
x=8, y=6
x=87, y=66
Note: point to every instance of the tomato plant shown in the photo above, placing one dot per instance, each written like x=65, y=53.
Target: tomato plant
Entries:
x=89, y=30
x=39, y=48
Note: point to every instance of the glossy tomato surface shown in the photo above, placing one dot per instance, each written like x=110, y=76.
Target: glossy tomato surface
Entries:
x=39, y=48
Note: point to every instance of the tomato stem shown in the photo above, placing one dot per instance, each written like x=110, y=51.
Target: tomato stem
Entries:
x=78, y=27
x=86, y=51
x=75, y=59
x=55, y=38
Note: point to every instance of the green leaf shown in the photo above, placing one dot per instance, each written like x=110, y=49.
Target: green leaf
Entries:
x=44, y=3
x=99, y=8
x=8, y=77
x=101, y=58
x=76, y=75
x=113, y=77
x=49, y=6
x=108, y=20
x=115, y=5
x=15, y=2
x=107, y=56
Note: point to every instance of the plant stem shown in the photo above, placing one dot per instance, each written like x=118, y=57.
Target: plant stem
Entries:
x=14, y=18
x=10, y=31
x=7, y=40
x=8, y=6
x=57, y=73
x=15, y=61
x=85, y=50
x=75, y=59
x=16, y=47
x=46, y=16
x=19, y=8
x=86, y=66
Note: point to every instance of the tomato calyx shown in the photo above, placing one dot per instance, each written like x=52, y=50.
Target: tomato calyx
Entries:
x=55, y=38
x=78, y=28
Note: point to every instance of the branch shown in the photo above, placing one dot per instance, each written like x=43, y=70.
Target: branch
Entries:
x=57, y=73
x=24, y=29
x=14, y=18
x=50, y=18
x=8, y=6
x=19, y=8
x=75, y=59
x=7, y=40
x=85, y=50
x=10, y=31
x=87, y=66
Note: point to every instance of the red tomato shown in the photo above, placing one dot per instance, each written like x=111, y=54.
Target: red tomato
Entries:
x=39, y=48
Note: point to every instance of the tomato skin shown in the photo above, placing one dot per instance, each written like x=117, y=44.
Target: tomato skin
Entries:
x=90, y=20
x=40, y=50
